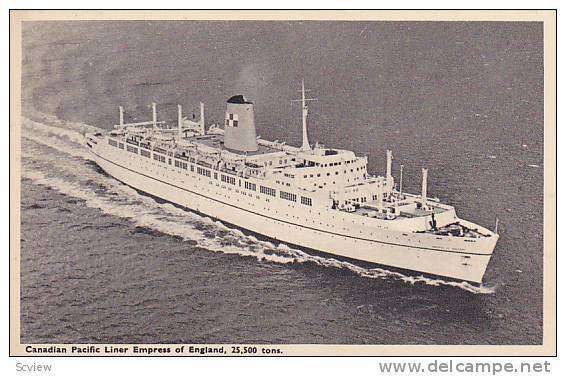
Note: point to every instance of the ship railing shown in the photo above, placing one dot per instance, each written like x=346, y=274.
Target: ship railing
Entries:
x=183, y=157
x=228, y=171
x=139, y=124
x=159, y=150
x=204, y=164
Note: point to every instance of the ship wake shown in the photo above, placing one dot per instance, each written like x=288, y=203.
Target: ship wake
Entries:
x=53, y=155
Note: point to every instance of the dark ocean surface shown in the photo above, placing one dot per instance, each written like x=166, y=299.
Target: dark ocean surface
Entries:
x=101, y=263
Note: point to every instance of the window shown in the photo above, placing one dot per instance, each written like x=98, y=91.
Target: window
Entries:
x=228, y=179
x=267, y=190
x=132, y=149
x=203, y=171
x=158, y=157
x=121, y=145
x=288, y=196
x=306, y=201
x=112, y=142
x=180, y=164
x=250, y=186
x=145, y=153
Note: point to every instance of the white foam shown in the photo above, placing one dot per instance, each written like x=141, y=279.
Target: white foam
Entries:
x=141, y=216
x=54, y=121
x=57, y=145
x=71, y=135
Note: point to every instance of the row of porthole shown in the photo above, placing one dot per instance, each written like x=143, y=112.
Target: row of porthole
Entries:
x=321, y=223
x=344, y=229
x=179, y=171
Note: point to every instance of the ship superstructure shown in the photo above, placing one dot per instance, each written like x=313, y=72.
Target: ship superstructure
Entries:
x=313, y=196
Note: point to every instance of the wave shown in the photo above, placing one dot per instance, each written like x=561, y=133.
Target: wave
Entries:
x=73, y=133
x=82, y=181
x=59, y=146
x=52, y=121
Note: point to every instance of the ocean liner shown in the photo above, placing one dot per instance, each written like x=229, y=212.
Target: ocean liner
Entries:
x=314, y=197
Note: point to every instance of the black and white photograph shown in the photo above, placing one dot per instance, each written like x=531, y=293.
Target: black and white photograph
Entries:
x=245, y=185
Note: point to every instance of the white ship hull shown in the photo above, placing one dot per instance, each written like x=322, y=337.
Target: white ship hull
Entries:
x=452, y=258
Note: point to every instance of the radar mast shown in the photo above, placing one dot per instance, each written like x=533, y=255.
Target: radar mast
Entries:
x=305, y=110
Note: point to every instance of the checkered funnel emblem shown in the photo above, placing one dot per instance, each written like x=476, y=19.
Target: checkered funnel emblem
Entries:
x=231, y=120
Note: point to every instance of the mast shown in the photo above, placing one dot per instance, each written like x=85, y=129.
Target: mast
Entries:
x=389, y=160
x=180, y=120
x=423, y=187
x=401, y=180
x=121, y=115
x=496, y=226
x=305, y=111
x=306, y=145
x=154, y=112
x=201, y=121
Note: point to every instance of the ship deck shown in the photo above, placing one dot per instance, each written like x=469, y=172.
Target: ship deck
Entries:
x=404, y=209
x=216, y=141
